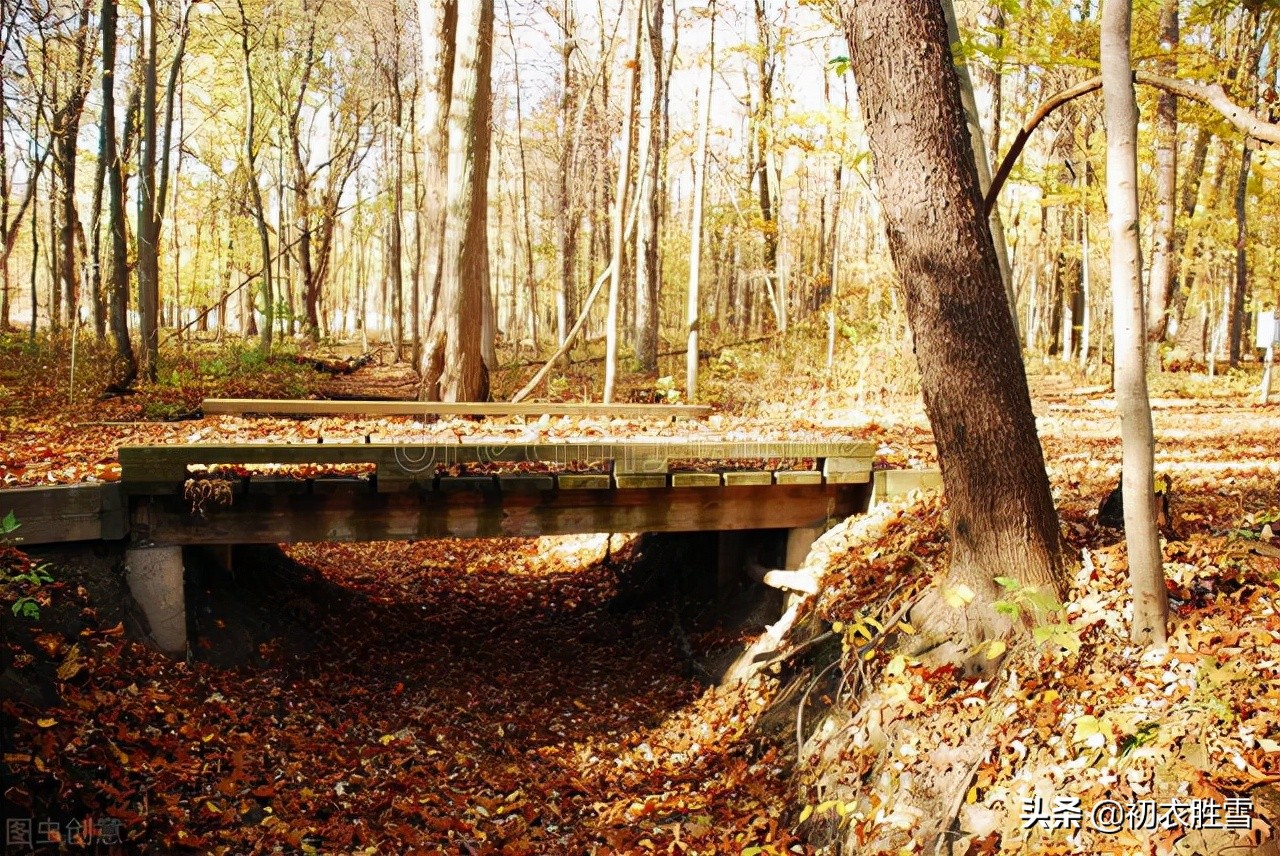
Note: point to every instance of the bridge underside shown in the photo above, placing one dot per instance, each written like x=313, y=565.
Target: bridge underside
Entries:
x=362, y=515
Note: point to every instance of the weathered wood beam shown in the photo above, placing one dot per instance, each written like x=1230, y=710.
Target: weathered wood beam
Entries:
x=307, y=407
x=367, y=516
x=61, y=513
x=163, y=469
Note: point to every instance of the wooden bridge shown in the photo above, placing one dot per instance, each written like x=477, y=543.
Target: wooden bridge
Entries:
x=345, y=490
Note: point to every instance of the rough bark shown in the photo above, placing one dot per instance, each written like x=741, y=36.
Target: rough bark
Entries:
x=1120, y=117
x=1002, y=518
x=454, y=352
x=438, y=20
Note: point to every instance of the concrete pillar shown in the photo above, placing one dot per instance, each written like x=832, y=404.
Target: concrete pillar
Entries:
x=155, y=577
x=799, y=540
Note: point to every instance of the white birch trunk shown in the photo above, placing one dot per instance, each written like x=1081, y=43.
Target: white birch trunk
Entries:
x=1120, y=116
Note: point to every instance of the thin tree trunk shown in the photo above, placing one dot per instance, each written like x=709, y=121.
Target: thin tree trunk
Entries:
x=530, y=275
x=765, y=166
x=648, y=268
x=255, y=191
x=118, y=281
x=1120, y=116
x=693, y=320
x=1235, y=328
x=619, y=214
x=148, y=248
x=1184, y=272
x=1160, y=288
x=974, y=121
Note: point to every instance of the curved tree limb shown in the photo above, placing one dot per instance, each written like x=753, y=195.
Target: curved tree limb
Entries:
x=1209, y=94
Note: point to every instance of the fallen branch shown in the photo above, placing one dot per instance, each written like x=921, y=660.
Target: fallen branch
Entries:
x=568, y=339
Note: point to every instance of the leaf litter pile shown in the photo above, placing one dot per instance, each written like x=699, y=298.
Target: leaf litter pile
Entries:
x=1077, y=716
x=469, y=697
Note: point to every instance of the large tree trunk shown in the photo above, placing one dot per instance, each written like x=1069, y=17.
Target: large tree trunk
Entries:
x=438, y=21
x=1160, y=288
x=1002, y=520
x=1120, y=116
x=456, y=370
x=1001, y=517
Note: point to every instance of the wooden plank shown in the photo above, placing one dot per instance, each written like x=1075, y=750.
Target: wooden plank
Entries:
x=846, y=470
x=363, y=516
x=480, y=484
x=695, y=479
x=896, y=484
x=60, y=513
x=277, y=485
x=583, y=481
x=798, y=477
x=115, y=512
x=303, y=407
x=525, y=482
x=339, y=484
x=640, y=480
x=745, y=477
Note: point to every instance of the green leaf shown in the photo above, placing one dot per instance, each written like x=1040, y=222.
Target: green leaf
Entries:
x=9, y=523
x=1042, y=600
x=1008, y=608
x=1008, y=583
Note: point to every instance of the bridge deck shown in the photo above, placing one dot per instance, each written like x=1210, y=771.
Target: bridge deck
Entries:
x=176, y=494
x=590, y=464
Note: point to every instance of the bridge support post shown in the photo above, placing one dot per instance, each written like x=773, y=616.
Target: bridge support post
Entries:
x=799, y=540
x=155, y=577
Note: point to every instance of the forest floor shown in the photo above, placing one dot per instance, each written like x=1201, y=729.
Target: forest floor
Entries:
x=498, y=697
